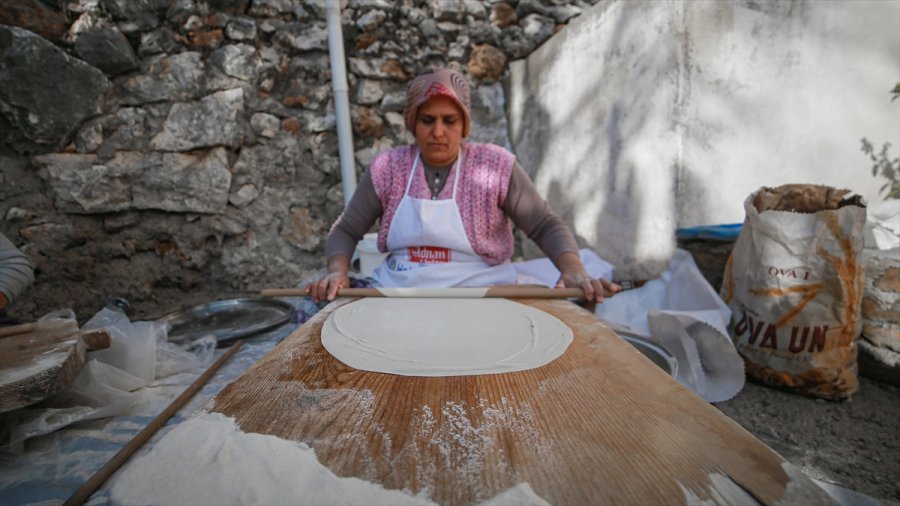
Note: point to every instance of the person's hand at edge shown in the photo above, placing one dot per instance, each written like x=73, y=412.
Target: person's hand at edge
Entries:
x=574, y=275
x=327, y=287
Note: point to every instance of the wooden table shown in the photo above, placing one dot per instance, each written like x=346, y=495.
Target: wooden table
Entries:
x=599, y=425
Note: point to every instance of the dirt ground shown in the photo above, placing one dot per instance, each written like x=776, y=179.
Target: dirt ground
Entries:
x=853, y=444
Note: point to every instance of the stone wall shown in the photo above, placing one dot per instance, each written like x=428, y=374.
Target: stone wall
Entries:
x=177, y=151
x=879, y=344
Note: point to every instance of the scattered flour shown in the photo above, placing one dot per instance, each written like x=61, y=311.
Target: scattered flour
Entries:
x=208, y=460
x=327, y=398
x=38, y=363
x=520, y=495
x=466, y=445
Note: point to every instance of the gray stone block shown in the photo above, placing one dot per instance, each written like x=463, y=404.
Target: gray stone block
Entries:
x=45, y=94
x=212, y=121
x=879, y=363
x=100, y=43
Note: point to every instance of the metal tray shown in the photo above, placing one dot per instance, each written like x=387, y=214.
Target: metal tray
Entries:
x=228, y=320
x=657, y=353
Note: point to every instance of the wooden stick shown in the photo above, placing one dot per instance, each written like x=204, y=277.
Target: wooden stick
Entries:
x=535, y=292
x=96, y=339
x=15, y=330
x=96, y=481
x=524, y=292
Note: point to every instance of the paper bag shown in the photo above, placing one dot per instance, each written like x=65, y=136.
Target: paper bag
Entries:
x=794, y=284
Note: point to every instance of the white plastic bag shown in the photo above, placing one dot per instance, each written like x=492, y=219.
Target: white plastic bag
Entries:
x=683, y=313
x=541, y=271
x=99, y=391
x=883, y=225
x=132, y=345
x=172, y=358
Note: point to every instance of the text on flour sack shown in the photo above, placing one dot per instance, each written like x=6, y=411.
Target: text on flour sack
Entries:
x=791, y=273
x=796, y=340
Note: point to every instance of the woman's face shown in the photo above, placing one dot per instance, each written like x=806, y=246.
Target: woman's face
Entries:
x=439, y=128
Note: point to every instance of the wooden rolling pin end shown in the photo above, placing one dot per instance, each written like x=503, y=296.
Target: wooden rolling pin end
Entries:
x=283, y=292
x=98, y=339
x=15, y=330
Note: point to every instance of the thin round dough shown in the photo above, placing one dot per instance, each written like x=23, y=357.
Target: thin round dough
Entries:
x=443, y=337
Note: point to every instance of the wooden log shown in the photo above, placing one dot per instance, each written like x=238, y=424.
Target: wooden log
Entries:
x=18, y=329
x=599, y=425
x=38, y=363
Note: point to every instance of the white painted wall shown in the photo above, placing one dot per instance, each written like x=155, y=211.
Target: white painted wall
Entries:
x=643, y=117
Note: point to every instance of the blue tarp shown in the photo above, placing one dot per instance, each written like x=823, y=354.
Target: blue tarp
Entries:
x=724, y=232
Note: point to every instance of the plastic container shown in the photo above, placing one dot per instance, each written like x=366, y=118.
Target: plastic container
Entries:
x=369, y=256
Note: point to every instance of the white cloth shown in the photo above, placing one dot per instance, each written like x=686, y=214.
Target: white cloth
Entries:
x=541, y=271
x=429, y=248
x=682, y=312
x=883, y=225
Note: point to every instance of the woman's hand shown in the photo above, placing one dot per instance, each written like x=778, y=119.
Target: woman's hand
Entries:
x=327, y=287
x=573, y=275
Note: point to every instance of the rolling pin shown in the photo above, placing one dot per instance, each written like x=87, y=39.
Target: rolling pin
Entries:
x=523, y=292
x=94, y=340
x=18, y=329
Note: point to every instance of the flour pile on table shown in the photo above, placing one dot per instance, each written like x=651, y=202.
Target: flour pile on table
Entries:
x=208, y=460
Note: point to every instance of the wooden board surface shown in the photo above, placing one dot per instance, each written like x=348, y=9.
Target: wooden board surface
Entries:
x=43, y=360
x=601, y=424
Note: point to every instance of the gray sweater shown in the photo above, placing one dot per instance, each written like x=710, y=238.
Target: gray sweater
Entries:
x=16, y=271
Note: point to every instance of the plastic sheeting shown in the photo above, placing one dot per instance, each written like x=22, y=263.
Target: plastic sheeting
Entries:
x=139, y=354
x=683, y=313
x=541, y=271
x=53, y=465
x=883, y=225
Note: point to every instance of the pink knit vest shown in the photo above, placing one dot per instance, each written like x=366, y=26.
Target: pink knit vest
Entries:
x=486, y=170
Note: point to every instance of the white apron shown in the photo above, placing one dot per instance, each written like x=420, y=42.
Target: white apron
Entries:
x=428, y=247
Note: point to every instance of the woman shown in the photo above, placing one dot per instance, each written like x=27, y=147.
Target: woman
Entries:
x=445, y=206
x=16, y=274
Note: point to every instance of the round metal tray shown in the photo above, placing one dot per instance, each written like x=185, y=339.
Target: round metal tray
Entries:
x=655, y=352
x=228, y=320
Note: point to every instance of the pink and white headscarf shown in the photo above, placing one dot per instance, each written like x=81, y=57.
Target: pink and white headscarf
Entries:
x=446, y=82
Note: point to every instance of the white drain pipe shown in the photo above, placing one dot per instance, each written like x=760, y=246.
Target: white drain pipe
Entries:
x=341, y=102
